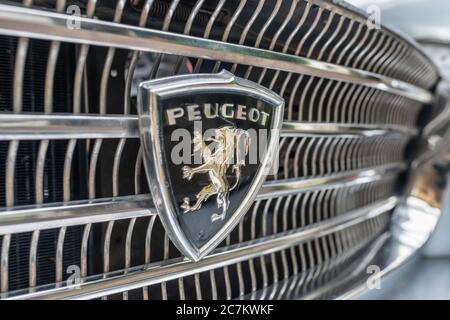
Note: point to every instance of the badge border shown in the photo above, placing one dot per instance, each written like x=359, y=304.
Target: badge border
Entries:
x=154, y=162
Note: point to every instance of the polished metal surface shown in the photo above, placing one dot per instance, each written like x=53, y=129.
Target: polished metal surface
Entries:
x=53, y=126
x=52, y=26
x=353, y=98
x=75, y=213
x=66, y=126
x=291, y=128
x=225, y=256
x=278, y=188
x=29, y=218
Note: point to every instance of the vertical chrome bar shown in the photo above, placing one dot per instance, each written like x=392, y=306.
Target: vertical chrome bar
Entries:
x=93, y=168
x=304, y=202
x=10, y=172
x=344, y=51
x=369, y=56
x=297, y=52
x=4, y=265
x=126, y=109
x=198, y=289
x=48, y=108
x=247, y=28
x=274, y=41
x=213, y=285
x=262, y=259
x=263, y=30
x=283, y=252
x=98, y=142
x=116, y=166
x=77, y=84
x=293, y=214
x=318, y=85
x=252, y=237
x=165, y=27
x=128, y=250
x=107, y=249
x=226, y=277
x=181, y=289
x=187, y=30
x=341, y=41
x=40, y=165
x=208, y=28
x=67, y=168
x=166, y=256
x=59, y=255
x=387, y=57
x=81, y=63
x=84, y=249
x=137, y=171
x=314, y=160
x=148, y=246
x=33, y=258
x=108, y=61
x=107, y=246
x=19, y=69
x=230, y=25
x=239, y=264
x=392, y=59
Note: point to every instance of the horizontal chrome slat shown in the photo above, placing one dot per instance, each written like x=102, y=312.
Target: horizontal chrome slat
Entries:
x=74, y=213
x=32, y=23
x=42, y=217
x=291, y=128
x=29, y=126
x=66, y=126
x=97, y=286
x=280, y=188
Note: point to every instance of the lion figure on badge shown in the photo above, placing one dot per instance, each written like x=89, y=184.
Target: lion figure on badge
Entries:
x=217, y=157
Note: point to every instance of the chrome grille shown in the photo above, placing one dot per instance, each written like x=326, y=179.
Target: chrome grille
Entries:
x=73, y=188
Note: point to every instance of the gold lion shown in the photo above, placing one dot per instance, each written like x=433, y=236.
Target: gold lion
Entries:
x=225, y=144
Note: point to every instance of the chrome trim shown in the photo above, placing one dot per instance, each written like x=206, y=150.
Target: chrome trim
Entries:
x=33, y=258
x=32, y=23
x=278, y=188
x=297, y=128
x=30, y=218
x=30, y=126
x=148, y=240
x=4, y=259
x=34, y=126
x=84, y=248
x=56, y=215
x=59, y=255
x=94, y=287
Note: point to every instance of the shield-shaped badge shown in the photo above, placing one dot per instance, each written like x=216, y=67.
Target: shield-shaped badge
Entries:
x=209, y=141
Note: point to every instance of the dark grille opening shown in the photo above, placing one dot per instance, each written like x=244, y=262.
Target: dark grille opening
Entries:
x=27, y=153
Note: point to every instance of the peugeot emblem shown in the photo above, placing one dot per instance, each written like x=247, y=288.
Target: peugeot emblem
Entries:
x=209, y=140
